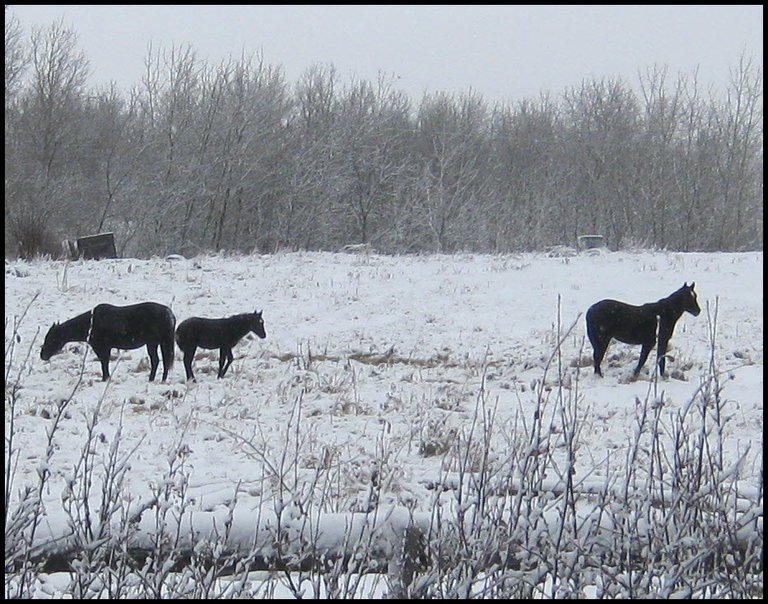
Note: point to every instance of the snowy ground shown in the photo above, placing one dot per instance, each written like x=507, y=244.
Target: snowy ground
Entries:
x=375, y=362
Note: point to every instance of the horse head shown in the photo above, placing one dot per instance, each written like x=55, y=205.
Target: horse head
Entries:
x=689, y=296
x=53, y=343
x=258, y=325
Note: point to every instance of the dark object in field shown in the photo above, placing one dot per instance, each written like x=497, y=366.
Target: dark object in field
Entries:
x=124, y=327
x=216, y=333
x=97, y=247
x=637, y=324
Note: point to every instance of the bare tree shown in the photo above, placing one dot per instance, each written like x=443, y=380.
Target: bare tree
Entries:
x=243, y=164
x=167, y=99
x=602, y=119
x=740, y=134
x=451, y=135
x=655, y=161
x=373, y=126
x=526, y=210
x=47, y=125
x=16, y=59
x=692, y=184
x=306, y=219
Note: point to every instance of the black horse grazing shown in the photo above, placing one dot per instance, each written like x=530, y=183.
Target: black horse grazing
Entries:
x=124, y=327
x=637, y=324
x=216, y=333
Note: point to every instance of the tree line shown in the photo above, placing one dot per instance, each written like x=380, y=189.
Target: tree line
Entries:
x=201, y=157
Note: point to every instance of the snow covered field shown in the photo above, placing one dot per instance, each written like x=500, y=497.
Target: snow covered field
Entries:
x=373, y=366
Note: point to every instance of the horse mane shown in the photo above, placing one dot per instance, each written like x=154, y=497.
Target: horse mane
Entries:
x=79, y=326
x=672, y=301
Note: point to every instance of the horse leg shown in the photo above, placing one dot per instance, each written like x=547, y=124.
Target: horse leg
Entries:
x=189, y=355
x=154, y=361
x=664, y=337
x=643, y=357
x=222, y=360
x=600, y=347
x=229, y=359
x=167, y=352
x=225, y=360
x=102, y=353
x=103, y=356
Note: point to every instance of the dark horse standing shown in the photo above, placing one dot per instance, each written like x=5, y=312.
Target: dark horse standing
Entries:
x=124, y=327
x=638, y=324
x=216, y=333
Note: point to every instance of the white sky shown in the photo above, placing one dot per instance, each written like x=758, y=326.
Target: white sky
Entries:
x=501, y=52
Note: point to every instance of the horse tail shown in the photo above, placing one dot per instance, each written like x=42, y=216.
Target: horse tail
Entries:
x=590, y=320
x=170, y=339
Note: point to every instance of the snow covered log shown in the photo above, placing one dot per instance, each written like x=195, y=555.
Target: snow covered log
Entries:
x=393, y=540
x=236, y=536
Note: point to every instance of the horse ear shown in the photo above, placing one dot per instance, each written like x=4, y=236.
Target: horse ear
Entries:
x=692, y=284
